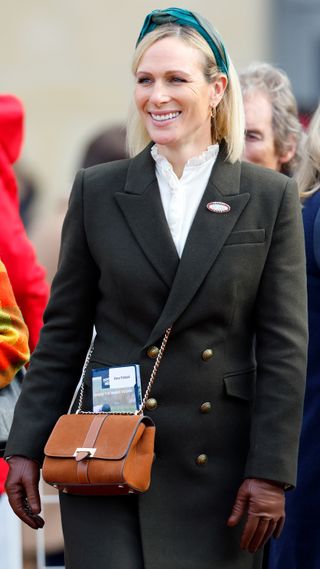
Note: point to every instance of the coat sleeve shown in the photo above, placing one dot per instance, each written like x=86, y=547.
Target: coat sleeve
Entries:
x=56, y=364
x=281, y=349
x=14, y=350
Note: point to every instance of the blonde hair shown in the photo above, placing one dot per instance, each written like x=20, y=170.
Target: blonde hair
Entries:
x=308, y=175
x=228, y=123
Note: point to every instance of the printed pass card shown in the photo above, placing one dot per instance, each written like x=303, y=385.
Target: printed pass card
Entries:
x=116, y=389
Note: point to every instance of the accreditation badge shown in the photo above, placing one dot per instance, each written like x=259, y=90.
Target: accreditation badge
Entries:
x=116, y=389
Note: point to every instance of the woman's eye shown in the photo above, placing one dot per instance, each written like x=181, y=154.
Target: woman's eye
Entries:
x=178, y=80
x=143, y=80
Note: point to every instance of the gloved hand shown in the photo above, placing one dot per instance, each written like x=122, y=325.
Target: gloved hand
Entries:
x=22, y=487
x=263, y=501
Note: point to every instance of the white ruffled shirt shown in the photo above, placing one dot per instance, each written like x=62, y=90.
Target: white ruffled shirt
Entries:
x=181, y=196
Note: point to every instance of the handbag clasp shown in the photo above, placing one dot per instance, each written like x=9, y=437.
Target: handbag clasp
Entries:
x=82, y=453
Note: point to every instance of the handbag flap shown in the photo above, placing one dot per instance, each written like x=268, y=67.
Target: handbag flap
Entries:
x=109, y=435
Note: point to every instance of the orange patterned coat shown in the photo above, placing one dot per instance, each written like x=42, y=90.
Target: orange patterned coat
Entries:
x=14, y=351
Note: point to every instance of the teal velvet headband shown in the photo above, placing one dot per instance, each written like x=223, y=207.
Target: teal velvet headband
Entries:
x=193, y=20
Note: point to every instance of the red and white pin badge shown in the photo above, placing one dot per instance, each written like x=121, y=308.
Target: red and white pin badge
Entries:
x=218, y=207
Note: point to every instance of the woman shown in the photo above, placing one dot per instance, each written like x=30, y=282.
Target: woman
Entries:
x=298, y=546
x=181, y=234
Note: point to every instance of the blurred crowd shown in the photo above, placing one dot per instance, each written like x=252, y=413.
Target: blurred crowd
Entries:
x=29, y=248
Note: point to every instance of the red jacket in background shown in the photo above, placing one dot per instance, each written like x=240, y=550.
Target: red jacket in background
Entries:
x=3, y=474
x=16, y=251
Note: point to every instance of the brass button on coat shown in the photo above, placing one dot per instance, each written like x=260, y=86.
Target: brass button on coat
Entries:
x=153, y=351
x=207, y=354
x=151, y=404
x=201, y=459
x=205, y=407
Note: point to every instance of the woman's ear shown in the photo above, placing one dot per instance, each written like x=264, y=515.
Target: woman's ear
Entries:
x=218, y=87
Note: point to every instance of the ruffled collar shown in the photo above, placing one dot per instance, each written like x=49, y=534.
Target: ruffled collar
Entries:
x=208, y=155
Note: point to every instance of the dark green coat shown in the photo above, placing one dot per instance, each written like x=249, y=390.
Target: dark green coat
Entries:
x=238, y=290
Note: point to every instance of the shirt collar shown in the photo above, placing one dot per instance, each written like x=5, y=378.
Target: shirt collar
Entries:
x=210, y=154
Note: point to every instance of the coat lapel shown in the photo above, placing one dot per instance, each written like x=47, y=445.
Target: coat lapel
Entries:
x=142, y=208
x=208, y=233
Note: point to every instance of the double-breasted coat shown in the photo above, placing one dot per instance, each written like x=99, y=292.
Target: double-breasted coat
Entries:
x=230, y=387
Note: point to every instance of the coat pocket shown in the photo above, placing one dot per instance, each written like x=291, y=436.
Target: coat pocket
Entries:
x=241, y=384
x=251, y=236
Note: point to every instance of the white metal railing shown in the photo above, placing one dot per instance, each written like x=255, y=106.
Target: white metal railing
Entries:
x=46, y=499
x=10, y=537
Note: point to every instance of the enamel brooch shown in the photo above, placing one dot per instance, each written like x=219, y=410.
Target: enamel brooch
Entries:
x=218, y=207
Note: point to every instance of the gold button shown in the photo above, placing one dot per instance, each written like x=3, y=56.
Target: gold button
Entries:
x=205, y=407
x=151, y=404
x=207, y=354
x=153, y=351
x=201, y=459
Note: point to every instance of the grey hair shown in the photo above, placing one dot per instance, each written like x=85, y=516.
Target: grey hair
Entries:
x=275, y=83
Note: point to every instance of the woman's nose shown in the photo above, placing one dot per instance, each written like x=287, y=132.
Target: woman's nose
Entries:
x=159, y=94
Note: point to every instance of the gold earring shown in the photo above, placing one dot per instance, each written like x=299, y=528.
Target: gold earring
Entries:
x=213, y=112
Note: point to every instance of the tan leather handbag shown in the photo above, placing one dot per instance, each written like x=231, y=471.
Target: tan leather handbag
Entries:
x=102, y=453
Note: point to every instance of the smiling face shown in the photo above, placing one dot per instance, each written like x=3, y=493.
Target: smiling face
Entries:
x=174, y=98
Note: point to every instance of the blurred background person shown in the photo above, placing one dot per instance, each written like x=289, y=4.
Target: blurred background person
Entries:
x=299, y=546
x=108, y=145
x=26, y=275
x=28, y=193
x=273, y=129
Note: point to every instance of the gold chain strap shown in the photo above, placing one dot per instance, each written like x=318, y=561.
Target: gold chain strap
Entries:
x=148, y=390
x=154, y=371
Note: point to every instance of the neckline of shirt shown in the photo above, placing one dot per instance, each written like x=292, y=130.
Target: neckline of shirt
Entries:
x=208, y=155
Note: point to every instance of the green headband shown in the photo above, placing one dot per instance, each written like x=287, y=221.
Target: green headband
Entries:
x=193, y=20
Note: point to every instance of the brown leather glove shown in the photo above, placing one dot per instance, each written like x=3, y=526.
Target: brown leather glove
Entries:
x=263, y=500
x=22, y=487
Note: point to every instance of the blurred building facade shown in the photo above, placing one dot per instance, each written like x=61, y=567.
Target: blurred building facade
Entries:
x=297, y=47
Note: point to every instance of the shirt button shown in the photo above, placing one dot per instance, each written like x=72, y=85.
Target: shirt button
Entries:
x=153, y=351
x=205, y=407
x=201, y=460
x=151, y=404
x=207, y=354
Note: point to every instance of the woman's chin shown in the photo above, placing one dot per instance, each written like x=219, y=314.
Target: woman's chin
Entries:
x=163, y=139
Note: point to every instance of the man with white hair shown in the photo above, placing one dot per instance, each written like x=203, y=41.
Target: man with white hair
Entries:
x=273, y=130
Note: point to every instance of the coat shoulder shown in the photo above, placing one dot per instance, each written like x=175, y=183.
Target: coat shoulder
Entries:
x=258, y=179
x=110, y=175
